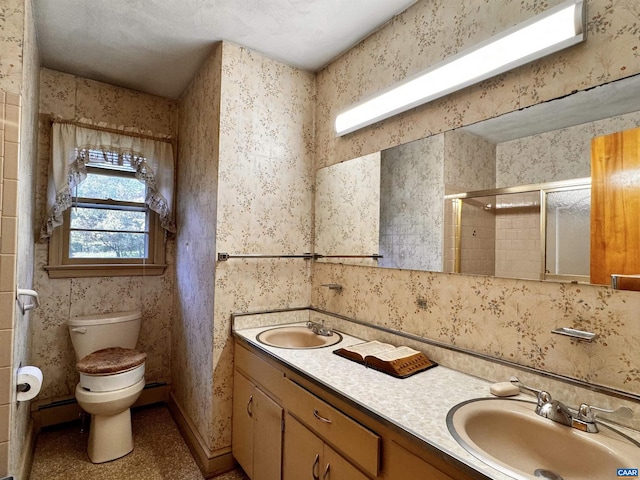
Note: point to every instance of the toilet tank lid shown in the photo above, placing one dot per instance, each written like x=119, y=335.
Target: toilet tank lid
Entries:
x=104, y=318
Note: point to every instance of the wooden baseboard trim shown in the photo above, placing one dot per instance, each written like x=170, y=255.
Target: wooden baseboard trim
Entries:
x=210, y=463
x=26, y=457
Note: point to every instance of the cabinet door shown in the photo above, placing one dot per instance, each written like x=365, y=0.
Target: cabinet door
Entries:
x=267, y=438
x=302, y=455
x=242, y=422
x=615, y=201
x=335, y=467
x=401, y=464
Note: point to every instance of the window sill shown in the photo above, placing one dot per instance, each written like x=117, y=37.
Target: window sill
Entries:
x=114, y=270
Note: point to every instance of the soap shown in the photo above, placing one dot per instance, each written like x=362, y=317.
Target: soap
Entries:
x=504, y=389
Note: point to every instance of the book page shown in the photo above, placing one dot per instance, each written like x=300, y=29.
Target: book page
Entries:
x=370, y=348
x=395, y=354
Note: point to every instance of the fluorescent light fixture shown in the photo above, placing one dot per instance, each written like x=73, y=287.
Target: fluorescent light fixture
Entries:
x=546, y=33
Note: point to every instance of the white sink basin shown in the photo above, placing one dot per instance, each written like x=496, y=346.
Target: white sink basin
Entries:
x=297, y=337
x=509, y=436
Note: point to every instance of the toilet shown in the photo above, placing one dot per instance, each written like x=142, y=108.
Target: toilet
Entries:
x=111, y=379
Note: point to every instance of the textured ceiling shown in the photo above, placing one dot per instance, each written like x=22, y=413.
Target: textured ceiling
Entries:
x=157, y=46
x=609, y=100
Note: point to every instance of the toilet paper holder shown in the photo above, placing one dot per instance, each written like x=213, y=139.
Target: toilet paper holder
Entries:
x=29, y=293
x=28, y=383
x=23, y=387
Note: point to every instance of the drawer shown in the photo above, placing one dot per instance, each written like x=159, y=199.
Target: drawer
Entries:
x=268, y=377
x=349, y=438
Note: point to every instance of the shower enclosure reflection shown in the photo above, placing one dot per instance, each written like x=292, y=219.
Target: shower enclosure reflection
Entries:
x=536, y=232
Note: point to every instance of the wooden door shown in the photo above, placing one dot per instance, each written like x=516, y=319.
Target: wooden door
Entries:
x=615, y=206
x=302, y=455
x=267, y=438
x=242, y=422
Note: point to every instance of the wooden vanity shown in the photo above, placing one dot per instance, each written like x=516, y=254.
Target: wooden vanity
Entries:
x=287, y=426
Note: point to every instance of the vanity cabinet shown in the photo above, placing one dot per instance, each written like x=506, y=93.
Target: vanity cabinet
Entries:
x=354, y=441
x=257, y=418
x=307, y=456
x=285, y=427
x=257, y=430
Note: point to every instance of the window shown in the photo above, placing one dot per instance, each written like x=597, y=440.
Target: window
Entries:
x=109, y=201
x=108, y=229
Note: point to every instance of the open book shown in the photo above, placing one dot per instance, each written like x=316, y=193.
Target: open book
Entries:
x=399, y=362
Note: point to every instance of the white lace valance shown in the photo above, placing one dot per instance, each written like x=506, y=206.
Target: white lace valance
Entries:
x=74, y=147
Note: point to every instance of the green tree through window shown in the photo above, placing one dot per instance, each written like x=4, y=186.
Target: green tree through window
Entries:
x=109, y=218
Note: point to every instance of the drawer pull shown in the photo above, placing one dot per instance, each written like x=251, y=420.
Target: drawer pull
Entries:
x=250, y=406
x=320, y=417
x=326, y=472
x=316, y=463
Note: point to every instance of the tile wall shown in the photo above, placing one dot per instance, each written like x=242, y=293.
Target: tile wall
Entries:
x=10, y=110
x=517, y=236
x=411, y=208
x=477, y=237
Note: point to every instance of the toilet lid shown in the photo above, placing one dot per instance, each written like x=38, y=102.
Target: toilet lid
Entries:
x=110, y=360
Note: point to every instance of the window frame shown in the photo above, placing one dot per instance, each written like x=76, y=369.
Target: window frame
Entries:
x=63, y=266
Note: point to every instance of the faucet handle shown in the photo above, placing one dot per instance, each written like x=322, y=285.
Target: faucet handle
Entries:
x=538, y=393
x=588, y=413
x=543, y=397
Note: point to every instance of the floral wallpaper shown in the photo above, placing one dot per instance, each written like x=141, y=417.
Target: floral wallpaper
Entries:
x=253, y=132
x=430, y=31
x=22, y=349
x=192, y=332
x=470, y=162
x=506, y=319
x=246, y=183
x=74, y=97
x=12, y=39
x=559, y=155
x=19, y=66
x=265, y=201
x=347, y=211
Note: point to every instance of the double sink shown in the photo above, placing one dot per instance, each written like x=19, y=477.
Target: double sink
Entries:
x=507, y=434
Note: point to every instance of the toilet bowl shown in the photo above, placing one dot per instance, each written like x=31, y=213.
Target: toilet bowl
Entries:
x=111, y=379
x=110, y=435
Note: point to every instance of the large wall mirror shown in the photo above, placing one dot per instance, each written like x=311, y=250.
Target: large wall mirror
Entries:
x=507, y=197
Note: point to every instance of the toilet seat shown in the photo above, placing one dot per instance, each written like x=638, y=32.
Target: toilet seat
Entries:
x=111, y=369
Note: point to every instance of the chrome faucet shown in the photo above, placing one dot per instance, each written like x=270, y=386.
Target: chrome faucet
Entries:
x=584, y=418
x=547, y=407
x=319, y=328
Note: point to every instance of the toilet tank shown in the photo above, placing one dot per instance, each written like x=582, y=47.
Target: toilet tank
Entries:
x=90, y=333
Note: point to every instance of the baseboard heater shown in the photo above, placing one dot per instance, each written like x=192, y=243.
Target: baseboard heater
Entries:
x=71, y=401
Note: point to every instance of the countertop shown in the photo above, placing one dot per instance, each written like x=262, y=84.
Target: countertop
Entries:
x=418, y=404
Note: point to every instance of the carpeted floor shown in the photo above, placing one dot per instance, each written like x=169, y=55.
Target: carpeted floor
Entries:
x=159, y=453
